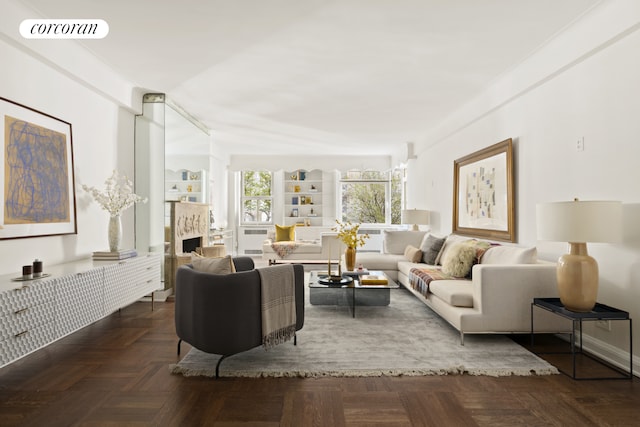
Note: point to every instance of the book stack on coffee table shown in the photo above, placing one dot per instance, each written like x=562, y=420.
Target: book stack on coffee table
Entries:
x=372, y=280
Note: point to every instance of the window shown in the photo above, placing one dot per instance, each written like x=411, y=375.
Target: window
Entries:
x=371, y=197
x=257, y=200
x=398, y=186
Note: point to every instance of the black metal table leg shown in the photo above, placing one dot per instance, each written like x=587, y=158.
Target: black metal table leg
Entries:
x=353, y=302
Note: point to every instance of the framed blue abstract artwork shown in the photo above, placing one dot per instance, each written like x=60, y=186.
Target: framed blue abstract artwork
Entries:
x=37, y=192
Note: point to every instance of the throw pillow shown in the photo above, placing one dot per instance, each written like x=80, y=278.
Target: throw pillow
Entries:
x=459, y=260
x=285, y=233
x=213, y=265
x=481, y=246
x=413, y=254
x=430, y=247
x=449, y=242
x=215, y=251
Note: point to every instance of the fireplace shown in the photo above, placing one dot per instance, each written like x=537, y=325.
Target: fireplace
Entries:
x=189, y=228
x=190, y=245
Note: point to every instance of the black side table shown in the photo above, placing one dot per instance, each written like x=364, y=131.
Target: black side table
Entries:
x=599, y=312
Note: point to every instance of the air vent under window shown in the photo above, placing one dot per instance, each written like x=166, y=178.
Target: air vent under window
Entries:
x=258, y=231
x=365, y=231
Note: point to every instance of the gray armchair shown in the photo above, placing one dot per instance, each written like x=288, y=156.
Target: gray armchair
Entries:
x=221, y=314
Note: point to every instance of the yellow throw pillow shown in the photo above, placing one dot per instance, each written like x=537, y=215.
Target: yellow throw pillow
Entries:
x=285, y=233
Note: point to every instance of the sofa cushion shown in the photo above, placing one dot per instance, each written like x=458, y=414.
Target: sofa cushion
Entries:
x=413, y=254
x=396, y=241
x=430, y=247
x=271, y=234
x=313, y=233
x=285, y=233
x=458, y=293
x=510, y=255
x=378, y=261
x=222, y=265
x=459, y=259
x=405, y=266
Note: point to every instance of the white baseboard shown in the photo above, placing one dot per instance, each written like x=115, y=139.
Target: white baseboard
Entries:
x=613, y=355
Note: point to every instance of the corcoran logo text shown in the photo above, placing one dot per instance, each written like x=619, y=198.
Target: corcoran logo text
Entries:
x=64, y=28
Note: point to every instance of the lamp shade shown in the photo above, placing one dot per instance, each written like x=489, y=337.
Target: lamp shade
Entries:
x=580, y=221
x=415, y=216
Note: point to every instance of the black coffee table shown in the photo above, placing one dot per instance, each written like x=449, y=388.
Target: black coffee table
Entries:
x=352, y=293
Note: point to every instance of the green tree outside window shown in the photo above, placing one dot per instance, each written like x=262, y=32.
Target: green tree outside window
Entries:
x=257, y=197
x=371, y=197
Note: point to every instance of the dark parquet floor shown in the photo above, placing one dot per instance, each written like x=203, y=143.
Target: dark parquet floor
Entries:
x=115, y=373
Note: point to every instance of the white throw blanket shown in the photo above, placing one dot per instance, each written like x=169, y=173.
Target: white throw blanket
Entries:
x=278, y=304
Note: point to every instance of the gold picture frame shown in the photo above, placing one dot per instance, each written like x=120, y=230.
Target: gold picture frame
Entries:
x=483, y=193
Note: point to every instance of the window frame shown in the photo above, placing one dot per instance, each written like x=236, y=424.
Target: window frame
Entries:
x=387, y=189
x=244, y=198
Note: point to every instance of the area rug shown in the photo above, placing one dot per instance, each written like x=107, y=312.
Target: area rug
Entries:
x=404, y=338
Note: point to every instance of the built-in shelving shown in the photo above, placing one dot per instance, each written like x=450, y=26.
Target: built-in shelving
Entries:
x=185, y=186
x=303, y=197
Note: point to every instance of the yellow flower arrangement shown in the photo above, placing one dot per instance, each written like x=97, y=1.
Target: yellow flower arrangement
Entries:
x=348, y=233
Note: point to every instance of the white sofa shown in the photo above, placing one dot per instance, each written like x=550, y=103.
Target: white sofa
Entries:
x=310, y=244
x=394, y=244
x=496, y=299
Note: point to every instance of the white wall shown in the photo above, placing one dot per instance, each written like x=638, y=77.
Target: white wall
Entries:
x=102, y=136
x=586, y=91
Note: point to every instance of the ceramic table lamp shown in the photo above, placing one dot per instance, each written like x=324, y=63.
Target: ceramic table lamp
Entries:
x=579, y=222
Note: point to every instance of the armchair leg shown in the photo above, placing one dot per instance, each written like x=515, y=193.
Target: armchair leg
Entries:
x=179, y=342
x=295, y=340
x=218, y=366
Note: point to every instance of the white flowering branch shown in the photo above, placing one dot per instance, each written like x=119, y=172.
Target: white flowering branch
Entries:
x=117, y=196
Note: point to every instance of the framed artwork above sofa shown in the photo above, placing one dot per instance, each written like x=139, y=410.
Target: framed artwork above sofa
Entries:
x=483, y=193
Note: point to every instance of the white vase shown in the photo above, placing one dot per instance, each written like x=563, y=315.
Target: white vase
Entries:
x=115, y=233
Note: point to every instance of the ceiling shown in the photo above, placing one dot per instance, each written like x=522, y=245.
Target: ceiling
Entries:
x=317, y=76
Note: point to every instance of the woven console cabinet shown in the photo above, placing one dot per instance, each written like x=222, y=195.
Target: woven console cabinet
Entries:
x=38, y=312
